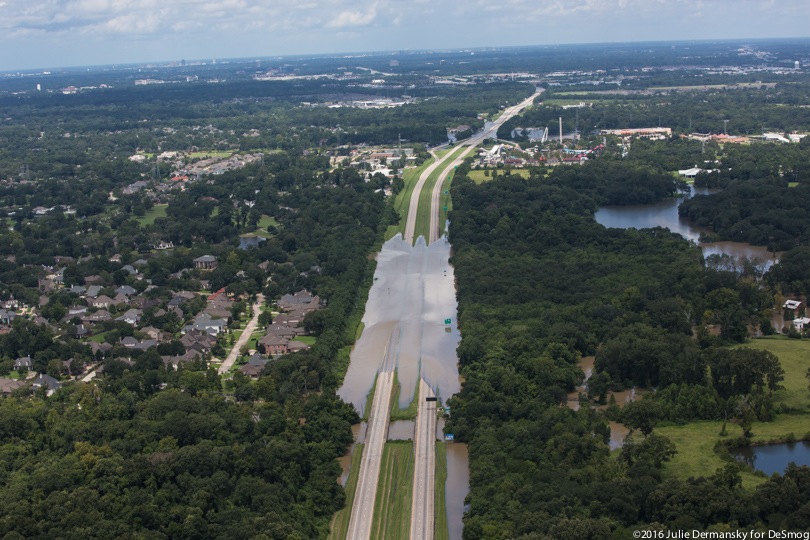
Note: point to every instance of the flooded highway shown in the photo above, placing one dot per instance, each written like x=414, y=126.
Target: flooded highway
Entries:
x=413, y=287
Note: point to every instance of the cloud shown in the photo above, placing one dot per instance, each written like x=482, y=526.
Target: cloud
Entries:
x=351, y=19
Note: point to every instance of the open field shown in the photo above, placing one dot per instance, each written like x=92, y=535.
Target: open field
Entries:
x=392, y=509
x=265, y=221
x=695, y=441
x=211, y=154
x=410, y=177
x=695, y=444
x=340, y=522
x=794, y=355
x=441, y=531
x=157, y=211
x=479, y=176
x=424, y=210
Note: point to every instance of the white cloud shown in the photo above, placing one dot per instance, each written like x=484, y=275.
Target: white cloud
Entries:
x=351, y=18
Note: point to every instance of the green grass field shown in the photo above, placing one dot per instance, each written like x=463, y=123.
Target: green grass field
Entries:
x=392, y=509
x=794, y=355
x=409, y=412
x=479, y=176
x=211, y=154
x=423, y=211
x=265, y=221
x=695, y=441
x=370, y=399
x=695, y=444
x=309, y=340
x=440, y=528
x=340, y=522
x=157, y=211
x=403, y=198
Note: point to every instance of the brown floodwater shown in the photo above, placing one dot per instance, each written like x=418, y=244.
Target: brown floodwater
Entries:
x=413, y=290
x=401, y=430
x=665, y=214
x=456, y=487
x=618, y=432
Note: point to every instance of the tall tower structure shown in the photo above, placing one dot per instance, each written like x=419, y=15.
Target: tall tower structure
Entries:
x=561, y=131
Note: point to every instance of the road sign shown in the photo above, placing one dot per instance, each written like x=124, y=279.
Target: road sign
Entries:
x=449, y=437
x=448, y=321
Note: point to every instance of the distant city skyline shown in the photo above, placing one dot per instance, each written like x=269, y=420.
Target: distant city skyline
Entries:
x=62, y=33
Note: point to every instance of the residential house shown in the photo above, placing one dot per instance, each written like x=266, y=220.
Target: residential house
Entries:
x=255, y=366
x=46, y=381
x=24, y=363
x=93, y=291
x=801, y=323
x=8, y=386
x=205, y=262
x=274, y=345
x=7, y=317
x=205, y=322
x=99, y=316
x=102, y=302
x=132, y=316
x=793, y=305
x=125, y=290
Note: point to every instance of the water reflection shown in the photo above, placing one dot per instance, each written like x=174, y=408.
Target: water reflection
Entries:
x=665, y=214
x=413, y=288
x=401, y=430
x=774, y=458
x=456, y=487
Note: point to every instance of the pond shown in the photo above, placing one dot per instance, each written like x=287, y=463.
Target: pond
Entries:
x=665, y=214
x=774, y=458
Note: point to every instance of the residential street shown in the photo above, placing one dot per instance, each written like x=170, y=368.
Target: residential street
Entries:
x=251, y=326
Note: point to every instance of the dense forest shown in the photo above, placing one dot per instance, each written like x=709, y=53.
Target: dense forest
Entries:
x=540, y=285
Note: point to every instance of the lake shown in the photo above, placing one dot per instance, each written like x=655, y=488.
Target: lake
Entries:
x=665, y=214
x=774, y=458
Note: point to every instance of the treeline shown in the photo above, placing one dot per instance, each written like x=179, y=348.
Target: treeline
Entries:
x=540, y=285
x=757, y=212
x=748, y=110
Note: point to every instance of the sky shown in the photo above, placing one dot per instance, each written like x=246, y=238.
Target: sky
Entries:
x=38, y=34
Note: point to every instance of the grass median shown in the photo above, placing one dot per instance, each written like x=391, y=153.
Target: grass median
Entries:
x=392, y=509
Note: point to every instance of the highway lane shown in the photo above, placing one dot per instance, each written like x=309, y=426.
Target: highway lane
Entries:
x=362, y=515
x=490, y=132
x=404, y=299
x=424, y=476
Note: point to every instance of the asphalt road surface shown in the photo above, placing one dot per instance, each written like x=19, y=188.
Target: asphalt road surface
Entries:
x=424, y=475
x=365, y=494
x=406, y=305
x=245, y=337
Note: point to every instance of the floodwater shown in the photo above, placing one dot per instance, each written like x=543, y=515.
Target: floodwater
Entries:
x=617, y=431
x=665, y=214
x=457, y=487
x=401, y=430
x=359, y=433
x=413, y=289
x=774, y=458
